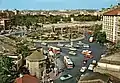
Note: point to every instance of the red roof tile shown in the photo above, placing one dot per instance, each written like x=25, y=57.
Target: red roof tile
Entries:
x=113, y=12
x=27, y=79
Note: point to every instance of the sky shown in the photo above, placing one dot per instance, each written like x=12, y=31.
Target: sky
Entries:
x=55, y=4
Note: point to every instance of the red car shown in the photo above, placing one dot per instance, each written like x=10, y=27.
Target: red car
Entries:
x=89, y=56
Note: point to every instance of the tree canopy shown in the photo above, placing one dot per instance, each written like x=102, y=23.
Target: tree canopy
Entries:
x=101, y=37
x=7, y=71
x=27, y=20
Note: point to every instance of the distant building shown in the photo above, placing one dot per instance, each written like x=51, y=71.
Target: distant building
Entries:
x=36, y=63
x=16, y=11
x=72, y=19
x=111, y=25
x=94, y=77
x=5, y=22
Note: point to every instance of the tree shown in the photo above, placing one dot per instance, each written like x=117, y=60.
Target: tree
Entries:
x=7, y=70
x=96, y=30
x=101, y=37
x=22, y=49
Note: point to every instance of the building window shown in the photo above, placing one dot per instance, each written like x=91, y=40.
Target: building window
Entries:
x=40, y=65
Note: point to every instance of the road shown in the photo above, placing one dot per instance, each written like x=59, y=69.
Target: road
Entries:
x=96, y=49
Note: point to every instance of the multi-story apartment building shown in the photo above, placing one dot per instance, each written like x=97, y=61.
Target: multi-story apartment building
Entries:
x=111, y=21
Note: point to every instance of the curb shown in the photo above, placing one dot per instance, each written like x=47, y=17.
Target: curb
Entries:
x=55, y=40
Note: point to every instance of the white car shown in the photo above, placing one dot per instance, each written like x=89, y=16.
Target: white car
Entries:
x=68, y=45
x=89, y=52
x=65, y=77
x=72, y=53
x=91, y=67
x=86, y=46
x=85, y=51
x=61, y=45
x=80, y=43
x=82, y=75
x=76, y=46
x=73, y=49
x=103, y=55
x=83, y=69
x=43, y=43
x=94, y=62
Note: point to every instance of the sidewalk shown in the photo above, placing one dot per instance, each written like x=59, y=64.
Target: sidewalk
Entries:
x=51, y=76
x=54, y=76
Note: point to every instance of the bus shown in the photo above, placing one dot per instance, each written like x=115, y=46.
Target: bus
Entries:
x=55, y=50
x=68, y=62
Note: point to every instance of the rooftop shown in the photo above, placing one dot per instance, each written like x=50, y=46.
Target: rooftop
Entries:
x=36, y=56
x=27, y=79
x=113, y=12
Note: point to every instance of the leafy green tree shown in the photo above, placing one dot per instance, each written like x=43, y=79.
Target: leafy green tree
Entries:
x=96, y=30
x=23, y=50
x=101, y=37
x=7, y=71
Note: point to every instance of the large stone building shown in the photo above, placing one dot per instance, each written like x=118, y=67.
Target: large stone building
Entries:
x=111, y=21
x=36, y=63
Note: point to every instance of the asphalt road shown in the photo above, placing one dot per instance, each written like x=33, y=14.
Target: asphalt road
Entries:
x=96, y=49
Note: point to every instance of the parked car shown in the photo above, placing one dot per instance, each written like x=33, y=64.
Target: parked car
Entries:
x=83, y=69
x=73, y=49
x=86, y=52
x=86, y=46
x=68, y=45
x=85, y=60
x=91, y=67
x=80, y=43
x=76, y=46
x=88, y=56
x=103, y=55
x=72, y=53
x=43, y=43
x=61, y=45
x=65, y=77
x=94, y=62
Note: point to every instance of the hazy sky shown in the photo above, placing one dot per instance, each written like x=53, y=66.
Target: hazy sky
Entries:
x=55, y=4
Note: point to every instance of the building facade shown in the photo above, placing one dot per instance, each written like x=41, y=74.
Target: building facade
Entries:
x=36, y=63
x=111, y=20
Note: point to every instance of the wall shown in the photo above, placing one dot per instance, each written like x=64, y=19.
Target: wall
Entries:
x=34, y=68
x=109, y=66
